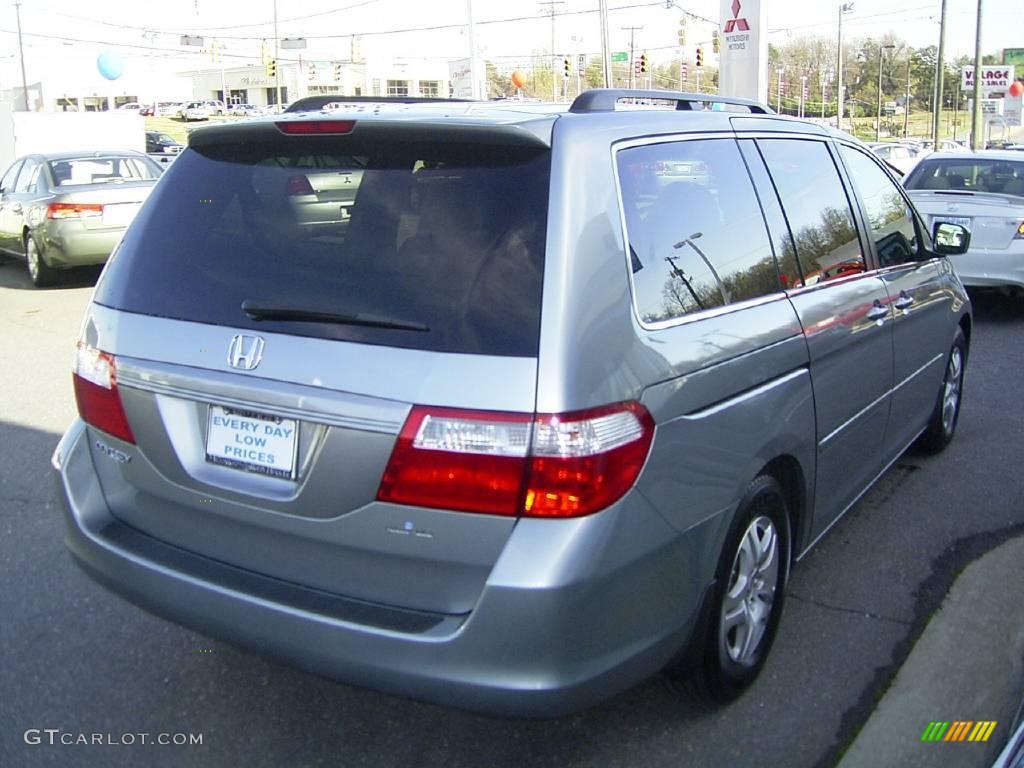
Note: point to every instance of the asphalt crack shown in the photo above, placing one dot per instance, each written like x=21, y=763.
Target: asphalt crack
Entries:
x=854, y=611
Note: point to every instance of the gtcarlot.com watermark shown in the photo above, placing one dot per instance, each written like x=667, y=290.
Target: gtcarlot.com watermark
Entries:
x=58, y=736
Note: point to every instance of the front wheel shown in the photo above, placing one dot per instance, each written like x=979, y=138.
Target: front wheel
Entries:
x=942, y=424
x=747, y=598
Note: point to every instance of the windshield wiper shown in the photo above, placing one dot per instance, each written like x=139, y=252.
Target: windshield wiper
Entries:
x=259, y=311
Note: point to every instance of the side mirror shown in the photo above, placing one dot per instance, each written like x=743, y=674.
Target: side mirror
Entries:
x=950, y=239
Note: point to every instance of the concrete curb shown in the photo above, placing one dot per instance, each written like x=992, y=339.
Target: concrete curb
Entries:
x=968, y=664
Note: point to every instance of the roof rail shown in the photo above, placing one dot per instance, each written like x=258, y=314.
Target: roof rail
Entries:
x=604, y=100
x=316, y=103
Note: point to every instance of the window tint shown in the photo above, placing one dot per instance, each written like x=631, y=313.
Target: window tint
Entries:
x=445, y=240
x=696, y=235
x=888, y=214
x=816, y=207
x=7, y=182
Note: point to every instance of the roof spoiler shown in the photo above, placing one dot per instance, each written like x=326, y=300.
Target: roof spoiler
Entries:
x=316, y=103
x=605, y=99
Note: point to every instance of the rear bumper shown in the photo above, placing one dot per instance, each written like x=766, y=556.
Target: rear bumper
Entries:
x=991, y=268
x=547, y=636
x=71, y=245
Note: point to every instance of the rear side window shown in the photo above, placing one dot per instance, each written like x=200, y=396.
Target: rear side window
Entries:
x=817, y=209
x=428, y=246
x=696, y=235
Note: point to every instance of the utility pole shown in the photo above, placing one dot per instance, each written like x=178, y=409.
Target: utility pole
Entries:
x=277, y=64
x=803, y=93
x=606, y=56
x=21, y=56
x=551, y=11
x=778, y=103
x=473, y=83
x=906, y=105
x=844, y=8
x=823, y=78
x=632, y=64
x=977, y=126
x=940, y=69
x=878, y=112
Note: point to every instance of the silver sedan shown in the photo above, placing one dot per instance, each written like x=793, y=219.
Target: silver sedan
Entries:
x=66, y=210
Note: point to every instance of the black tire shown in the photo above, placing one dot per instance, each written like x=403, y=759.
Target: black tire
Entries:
x=41, y=273
x=725, y=665
x=942, y=423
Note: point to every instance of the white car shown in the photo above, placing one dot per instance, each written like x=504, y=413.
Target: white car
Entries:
x=194, y=110
x=983, y=191
x=246, y=110
x=130, y=107
x=903, y=156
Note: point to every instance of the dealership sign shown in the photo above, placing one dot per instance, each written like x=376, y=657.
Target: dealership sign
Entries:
x=996, y=77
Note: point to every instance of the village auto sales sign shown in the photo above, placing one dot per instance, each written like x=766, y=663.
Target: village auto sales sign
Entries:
x=995, y=77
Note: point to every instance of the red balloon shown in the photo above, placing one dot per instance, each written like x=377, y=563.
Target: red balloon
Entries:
x=1016, y=88
x=518, y=79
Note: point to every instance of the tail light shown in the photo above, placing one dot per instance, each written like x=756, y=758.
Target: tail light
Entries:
x=298, y=185
x=73, y=210
x=539, y=465
x=99, y=402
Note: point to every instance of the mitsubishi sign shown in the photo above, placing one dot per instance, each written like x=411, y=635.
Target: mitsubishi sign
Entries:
x=994, y=78
x=743, y=58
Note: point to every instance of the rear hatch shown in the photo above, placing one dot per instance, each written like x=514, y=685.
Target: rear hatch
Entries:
x=266, y=366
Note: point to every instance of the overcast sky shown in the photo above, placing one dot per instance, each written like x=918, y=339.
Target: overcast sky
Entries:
x=506, y=32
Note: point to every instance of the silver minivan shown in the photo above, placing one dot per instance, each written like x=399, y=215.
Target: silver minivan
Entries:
x=553, y=405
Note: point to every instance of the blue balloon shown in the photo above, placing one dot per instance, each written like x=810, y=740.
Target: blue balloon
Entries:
x=110, y=65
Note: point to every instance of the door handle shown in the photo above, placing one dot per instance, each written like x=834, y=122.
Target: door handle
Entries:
x=904, y=302
x=878, y=312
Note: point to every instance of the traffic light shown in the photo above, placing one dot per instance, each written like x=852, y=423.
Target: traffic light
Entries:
x=700, y=57
x=337, y=72
x=715, y=44
x=271, y=67
x=311, y=70
x=567, y=66
x=682, y=31
x=643, y=63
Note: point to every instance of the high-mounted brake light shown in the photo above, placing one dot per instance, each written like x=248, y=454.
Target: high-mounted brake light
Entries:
x=307, y=127
x=538, y=465
x=73, y=210
x=99, y=402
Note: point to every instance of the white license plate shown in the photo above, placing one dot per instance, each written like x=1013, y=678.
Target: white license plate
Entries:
x=119, y=214
x=963, y=221
x=253, y=442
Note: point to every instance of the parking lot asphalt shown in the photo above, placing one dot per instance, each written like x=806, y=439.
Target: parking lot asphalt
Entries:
x=78, y=659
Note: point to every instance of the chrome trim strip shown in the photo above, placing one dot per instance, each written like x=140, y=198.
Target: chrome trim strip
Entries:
x=174, y=384
x=920, y=370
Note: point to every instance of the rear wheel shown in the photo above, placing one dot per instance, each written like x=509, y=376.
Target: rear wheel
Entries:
x=747, y=599
x=38, y=270
x=942, y=425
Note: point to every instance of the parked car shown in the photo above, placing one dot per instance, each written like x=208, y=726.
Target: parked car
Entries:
x=215, y=107
x=898, y=154
x=984, y=192
x=148, y=110
x=246, y=110
x=194, y=110
x=130, y=107
x=524, y=426
x=70, y=209
x=158, y=143
x=168, y=108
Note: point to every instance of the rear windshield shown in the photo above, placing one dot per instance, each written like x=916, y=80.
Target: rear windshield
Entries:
x=981, y=175
x=432, y=246
x=102, y=170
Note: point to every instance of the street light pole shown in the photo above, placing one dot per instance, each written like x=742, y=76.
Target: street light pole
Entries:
x=844, y=8
x=21, y=57
x=906, y=105
x=778, y=96
x=551, y=11
x=606, y=56
x=878, y=112
x=939, y=71
x=977, y=127
x=277, y=64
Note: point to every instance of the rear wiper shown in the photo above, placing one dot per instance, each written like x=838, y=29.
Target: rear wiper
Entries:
x=259, y=311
